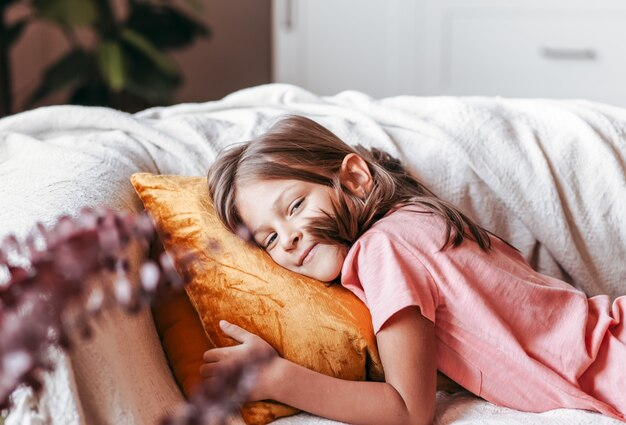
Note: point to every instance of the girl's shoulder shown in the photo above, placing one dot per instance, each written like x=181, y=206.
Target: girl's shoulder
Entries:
x=410, y=225
x=409, y=219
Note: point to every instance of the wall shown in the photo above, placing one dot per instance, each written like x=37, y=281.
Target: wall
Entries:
x=237, y=55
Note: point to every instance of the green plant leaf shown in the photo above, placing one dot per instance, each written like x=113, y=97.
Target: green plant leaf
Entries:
x=164, y=26
x=14, y=32
x=143, y=45
x=154, y=89
x=196, y=5
x=73, y=68
x=67, y=12
x=112, y=64
x=149, y=82
x=91, y=94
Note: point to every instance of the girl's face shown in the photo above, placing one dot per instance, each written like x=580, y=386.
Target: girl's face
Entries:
x=277, y=213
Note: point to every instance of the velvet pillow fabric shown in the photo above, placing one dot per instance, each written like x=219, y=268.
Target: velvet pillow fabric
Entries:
x=324, y=328
x=182, y=337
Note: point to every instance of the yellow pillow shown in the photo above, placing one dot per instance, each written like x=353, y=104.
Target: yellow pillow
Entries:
x=183, y=338
x=326, y=329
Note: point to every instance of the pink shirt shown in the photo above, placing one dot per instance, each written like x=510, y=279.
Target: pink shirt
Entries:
x=504, y=332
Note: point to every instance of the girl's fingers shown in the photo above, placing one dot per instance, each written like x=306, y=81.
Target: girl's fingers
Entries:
x=235, y=332
x=216, y=369
x=207, y=370
x=211, y=370
x=216, y=354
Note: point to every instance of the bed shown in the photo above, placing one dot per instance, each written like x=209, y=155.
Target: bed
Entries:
x=549, y=176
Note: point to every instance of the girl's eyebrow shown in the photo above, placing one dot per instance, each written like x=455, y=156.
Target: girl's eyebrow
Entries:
x=275, y=205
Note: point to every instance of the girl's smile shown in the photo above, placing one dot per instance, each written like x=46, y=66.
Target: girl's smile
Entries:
x=309, y=254
x=277, y=212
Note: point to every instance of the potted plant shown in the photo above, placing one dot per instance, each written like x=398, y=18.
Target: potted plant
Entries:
x=127, y=66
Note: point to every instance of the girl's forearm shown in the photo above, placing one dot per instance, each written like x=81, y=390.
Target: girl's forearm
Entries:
x=354, y=402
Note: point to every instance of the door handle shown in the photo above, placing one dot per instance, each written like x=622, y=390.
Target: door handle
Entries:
x=561, y=53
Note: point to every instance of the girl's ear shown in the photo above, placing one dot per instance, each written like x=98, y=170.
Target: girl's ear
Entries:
x=355, y=175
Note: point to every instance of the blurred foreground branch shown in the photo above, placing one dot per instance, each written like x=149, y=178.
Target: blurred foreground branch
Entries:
x=48, y=296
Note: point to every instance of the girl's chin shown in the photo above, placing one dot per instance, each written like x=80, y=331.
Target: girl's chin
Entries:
x=325, y=277
x=327, y=263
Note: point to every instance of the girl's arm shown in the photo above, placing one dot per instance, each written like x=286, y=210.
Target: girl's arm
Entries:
x=406, y=344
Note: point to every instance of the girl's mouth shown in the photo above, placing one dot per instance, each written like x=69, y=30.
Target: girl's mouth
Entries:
x=310, y=254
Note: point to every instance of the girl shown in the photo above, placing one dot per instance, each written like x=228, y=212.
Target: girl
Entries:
x=443, y=292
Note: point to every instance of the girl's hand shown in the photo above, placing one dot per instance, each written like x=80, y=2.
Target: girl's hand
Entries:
x=252, y=349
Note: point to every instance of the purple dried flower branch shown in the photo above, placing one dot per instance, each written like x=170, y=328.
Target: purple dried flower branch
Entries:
x=47, y=296
x=213, y=403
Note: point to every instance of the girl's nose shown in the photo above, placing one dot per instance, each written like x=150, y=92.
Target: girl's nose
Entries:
x=292, y=240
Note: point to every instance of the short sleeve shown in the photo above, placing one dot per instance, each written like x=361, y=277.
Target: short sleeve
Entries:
x=387, y=275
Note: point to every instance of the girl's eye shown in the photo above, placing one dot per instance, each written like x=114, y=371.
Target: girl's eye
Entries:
x=296, y=205
x=269, y=242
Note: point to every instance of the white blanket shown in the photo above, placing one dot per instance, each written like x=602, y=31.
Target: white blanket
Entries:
x=548, y=176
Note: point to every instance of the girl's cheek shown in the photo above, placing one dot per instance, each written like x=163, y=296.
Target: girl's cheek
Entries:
x=280, y=260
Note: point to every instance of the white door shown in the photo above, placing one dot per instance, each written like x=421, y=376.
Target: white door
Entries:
x=328, y=46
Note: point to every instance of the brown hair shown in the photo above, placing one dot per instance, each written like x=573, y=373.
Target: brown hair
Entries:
x=299, y=148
